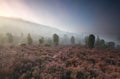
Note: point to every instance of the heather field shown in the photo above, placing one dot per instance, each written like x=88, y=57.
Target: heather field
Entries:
x=58, y=62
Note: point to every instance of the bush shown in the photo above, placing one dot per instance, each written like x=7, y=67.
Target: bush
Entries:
x=22, y=44
x=47, y=45
x=111, y=45
x=81, y=75
x=66, y=75
x=41, y=41
x=100, y=43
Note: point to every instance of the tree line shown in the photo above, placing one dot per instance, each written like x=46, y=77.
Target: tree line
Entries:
x=91, y=41
x=10, y=39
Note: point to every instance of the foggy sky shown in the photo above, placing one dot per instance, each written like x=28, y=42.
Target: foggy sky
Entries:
x=81, y=16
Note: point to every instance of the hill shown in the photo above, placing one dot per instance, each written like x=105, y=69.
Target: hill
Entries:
x=18, y=26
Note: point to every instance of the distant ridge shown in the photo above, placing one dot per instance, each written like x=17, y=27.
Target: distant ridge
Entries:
x=18, y=26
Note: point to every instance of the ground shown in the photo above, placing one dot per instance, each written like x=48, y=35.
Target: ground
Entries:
x=58, y=62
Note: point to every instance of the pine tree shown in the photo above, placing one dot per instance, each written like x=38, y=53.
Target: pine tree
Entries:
x=72, y=40
x=10, y=37
x=29, y=39
x=91, y=41
x=55, y=39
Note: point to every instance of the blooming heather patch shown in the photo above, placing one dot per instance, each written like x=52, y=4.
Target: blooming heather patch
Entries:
x=58, y=62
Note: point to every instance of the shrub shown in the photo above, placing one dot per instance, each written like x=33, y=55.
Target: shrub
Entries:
x=81, y=75
x=110, y=45
x=22, y=44
x=41, y=41
x=118, y=47
x=47, y=45
x=100, y=43
x=66, y=75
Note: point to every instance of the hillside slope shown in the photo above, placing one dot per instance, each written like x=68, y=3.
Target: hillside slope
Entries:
x=18, y=26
